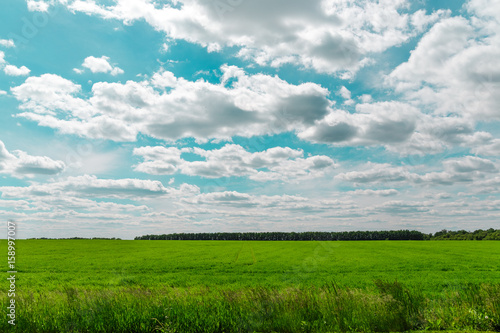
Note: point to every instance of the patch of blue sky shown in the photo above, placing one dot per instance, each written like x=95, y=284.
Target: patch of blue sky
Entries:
x=7, y=180
x=455, y=6
x=193, y=61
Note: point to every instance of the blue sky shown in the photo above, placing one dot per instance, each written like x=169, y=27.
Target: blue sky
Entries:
x=122, y=118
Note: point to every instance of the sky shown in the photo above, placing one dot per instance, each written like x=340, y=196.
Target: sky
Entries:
x=120, y=118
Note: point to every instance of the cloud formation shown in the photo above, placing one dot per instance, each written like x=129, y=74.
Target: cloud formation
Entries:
x=455, y=170
x=90, y=186
x=276, y=163
x=376, y=123
x=170, y=108
x=19, y=164
x=99, y=65
x=12, y=70
x=332, y=36
x=454, y=68
x=7, y=43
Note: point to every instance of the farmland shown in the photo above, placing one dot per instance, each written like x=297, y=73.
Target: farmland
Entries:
x=225, y=286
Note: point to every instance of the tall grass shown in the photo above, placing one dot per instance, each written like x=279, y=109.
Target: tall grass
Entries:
x=386, y=307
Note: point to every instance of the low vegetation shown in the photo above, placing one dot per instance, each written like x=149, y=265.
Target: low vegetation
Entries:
x=389, y=307
x=258, y=286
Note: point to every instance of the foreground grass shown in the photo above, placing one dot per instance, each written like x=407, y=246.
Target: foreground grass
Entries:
x=231, y=286
x=389, y=307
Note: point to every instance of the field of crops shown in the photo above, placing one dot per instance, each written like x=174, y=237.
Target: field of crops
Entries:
x=247, y=286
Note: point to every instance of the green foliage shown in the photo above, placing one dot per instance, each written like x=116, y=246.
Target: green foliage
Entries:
x=293, y=236
x=490, y=234
x=330, y=308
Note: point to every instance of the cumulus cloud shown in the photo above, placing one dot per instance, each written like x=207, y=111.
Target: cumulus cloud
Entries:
x=454, y=170
x=454, y=68
x=171, y=108
x=377, y=173
x=7, y=43
x=463, y=169
x=99, y=65
x=16, y=71
x=346, y=95
x=404, y=207
x=51, y=102
x=38, y=5
x=19, y=164
x=492, y=148
x=376, y=123
x=91, y=186
x=251, y=105
x=491, y=185
x=276, y=163
x=434, y=134
x=381, y=193
x=245, y=200
x=332, y=36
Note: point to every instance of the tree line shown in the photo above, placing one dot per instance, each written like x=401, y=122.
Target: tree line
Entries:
x=293, y=236
x=480, y=234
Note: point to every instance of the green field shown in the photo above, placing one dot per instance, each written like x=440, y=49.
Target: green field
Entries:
x=236, y=286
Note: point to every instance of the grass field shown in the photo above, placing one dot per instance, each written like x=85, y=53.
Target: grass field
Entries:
x=232, y=286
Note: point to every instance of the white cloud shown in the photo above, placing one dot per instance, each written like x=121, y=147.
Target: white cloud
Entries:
x=164, y=48
x=19, y=164
x=50, y=94
x=466, y=169
x=2, y=57
x=7, y=43
x=463, y=169
x=16, y=71
x=164, y=79
x=485, y=9
x=276, y=163
x=90, y=186
x=170, y=108
x=332, y=36
x=3, y=92
x=381, y=193
x=377, y=123
x=38, y=6
x=434, y=134
x=378, y=173
x=470, y=164
x=490, y=149
x=404, y=207
x=345, y=93
x=454, y=68
x=366, y=98
x=252, y=105
x=491, y=185
x=116, y=71
x=245, y=200
x=99, y=65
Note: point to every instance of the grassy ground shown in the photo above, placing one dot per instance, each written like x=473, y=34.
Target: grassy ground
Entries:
x=226, y=286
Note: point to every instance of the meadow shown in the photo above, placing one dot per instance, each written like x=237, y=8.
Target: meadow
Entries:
x=255, y=286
